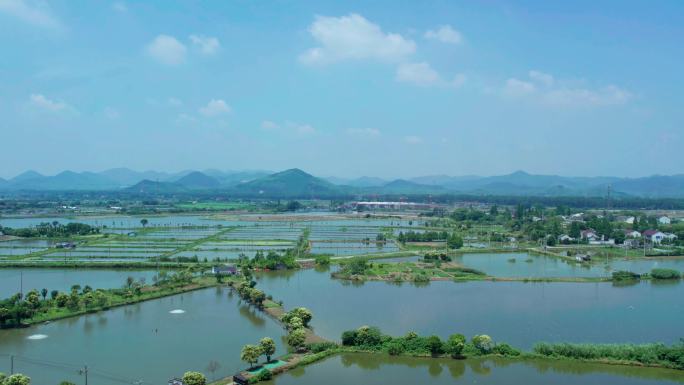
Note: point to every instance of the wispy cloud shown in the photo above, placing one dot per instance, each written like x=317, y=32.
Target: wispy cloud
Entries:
x=120, y=6
x=545, y=88
x=207, y=45
x=445, y=34
x=353, y=37
x=43, y=103
x=215, y=107
x=36, y=13
x=412, y=139
x=167, y=50
x=423, y=75
x=364, y=132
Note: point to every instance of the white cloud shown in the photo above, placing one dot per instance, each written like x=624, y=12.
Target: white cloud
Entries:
x=445, y=34
x=541, y=77
x=353, y=37
x=207, y=45
x=364, y=132
x=185, y=119
x=175, y=102
x=546, y=89
x=423, y=75
x=412, y=139
x=111, y=113
x=43, y=103
x=459, y=80
x=215, y=107
x=120, y=6
x=167, y=50
x=420, y=74
x=269, y=125
x=302, y=129
x=605, y=96
x=516, y=87
x=36, y=13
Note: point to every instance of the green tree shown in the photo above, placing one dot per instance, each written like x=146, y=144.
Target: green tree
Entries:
x=268, y=347
x=454, y=241
x=144, y=222
x=194, y=378
x=250, y=354
x=454, y=345
x=33, y=299
x=44, y=293
x=296, y=338
x=483, y=343
x=434, y=345
x=17, y=379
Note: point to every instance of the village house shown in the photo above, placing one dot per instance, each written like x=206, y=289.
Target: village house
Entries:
x=670, y=237
x=565, y=238
x=589, y=235
x=224, y=270
x=632, y=234
x=664, y=220
x=654, y=236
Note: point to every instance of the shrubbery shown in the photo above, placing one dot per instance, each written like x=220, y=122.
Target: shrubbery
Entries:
x=665, y=274
x=648, y=354
x=624, y=275
x=370, y=338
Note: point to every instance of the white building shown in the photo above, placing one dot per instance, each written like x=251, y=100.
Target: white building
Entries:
x=664, y=220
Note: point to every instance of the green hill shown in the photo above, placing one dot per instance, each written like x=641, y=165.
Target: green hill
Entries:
x=289, y=183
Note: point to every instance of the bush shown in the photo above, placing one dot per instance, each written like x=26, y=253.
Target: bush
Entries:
x=624, y=275
x=665, y=274
x=395, y=348
x=483, y=343
x=264, y=375
x=454, y=345
x=505, y=350
x=349, y=338
x=194, y=378
x=648, y=354
x=321, y=346
x=434, y=345
x=17, y=379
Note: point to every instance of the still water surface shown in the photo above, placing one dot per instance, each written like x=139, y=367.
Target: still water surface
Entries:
x=382, y=370
x=518, y=313
x=151, y=341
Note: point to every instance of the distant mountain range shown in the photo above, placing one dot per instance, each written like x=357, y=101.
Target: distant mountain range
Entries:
x=297, y=183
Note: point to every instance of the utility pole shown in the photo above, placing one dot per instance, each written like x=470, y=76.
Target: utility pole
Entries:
x=21, y=284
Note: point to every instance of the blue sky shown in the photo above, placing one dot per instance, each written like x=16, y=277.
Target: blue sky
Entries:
x=384, y=88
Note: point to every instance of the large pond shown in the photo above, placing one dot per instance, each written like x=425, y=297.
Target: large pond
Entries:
x=12, y=280
x=523, y=265
x=515, y=312
x=150, y=341
x=380, y=370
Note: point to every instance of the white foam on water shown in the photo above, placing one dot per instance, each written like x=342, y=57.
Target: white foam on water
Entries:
x=177, y=311
x=37, y=337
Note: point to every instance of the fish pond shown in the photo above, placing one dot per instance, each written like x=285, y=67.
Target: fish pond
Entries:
x=382, y=369
x=150, y=342
x=518, y=313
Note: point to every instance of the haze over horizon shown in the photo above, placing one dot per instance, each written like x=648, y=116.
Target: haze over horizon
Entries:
x=343, y=89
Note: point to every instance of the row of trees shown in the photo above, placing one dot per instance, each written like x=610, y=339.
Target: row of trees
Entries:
x=456, y=346
x=296, y=320
x=17, y=308
x=251, y=353
x=52, y=230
